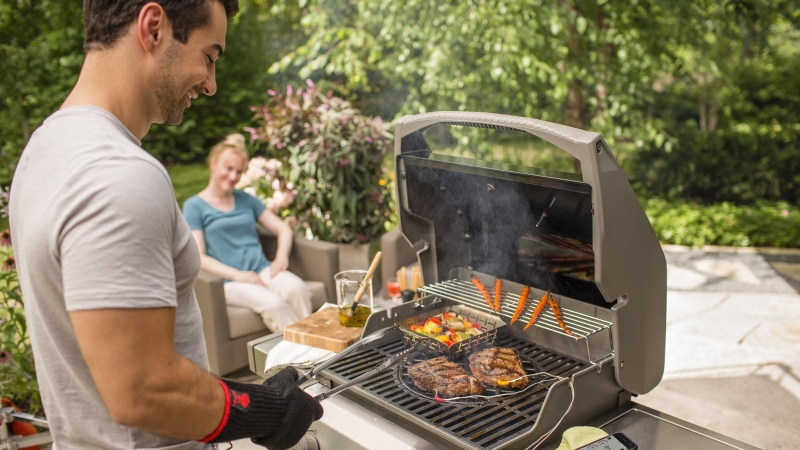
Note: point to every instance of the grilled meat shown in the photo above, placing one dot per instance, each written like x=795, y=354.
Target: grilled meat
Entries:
x=494, y=364
x=445, y=378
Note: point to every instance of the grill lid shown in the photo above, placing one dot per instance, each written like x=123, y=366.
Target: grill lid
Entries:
x=585, y=237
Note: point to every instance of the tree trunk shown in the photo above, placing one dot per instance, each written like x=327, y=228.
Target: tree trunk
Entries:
x=702, y=103
x=576, y=109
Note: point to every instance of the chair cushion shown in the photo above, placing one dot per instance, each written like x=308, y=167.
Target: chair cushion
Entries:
x=242, y=321
x=318, y=294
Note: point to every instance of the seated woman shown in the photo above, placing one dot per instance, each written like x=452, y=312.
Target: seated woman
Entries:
x=223, y=222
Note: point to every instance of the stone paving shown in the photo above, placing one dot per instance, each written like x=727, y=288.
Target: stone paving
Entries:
x=733, y=344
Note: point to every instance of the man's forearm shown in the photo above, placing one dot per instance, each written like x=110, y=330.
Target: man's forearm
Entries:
x=143, y=380
x=182, y=402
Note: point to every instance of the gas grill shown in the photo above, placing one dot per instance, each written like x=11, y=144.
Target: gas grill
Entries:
x=584, y=238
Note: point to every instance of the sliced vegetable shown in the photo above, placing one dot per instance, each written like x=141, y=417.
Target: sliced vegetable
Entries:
x=448, y=327
x=523, y=298
x=483, y=291
x=539, y=308
x=498, y=291
x=559, y=318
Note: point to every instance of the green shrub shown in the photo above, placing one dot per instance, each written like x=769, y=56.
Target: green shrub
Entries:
x=743, y=165
x=17, y=373
x=765, y=224
x=333, y=157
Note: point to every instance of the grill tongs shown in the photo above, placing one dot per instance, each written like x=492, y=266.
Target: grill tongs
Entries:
x=391, y=362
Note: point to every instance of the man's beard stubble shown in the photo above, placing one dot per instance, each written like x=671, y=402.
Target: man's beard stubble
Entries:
x=167, y=88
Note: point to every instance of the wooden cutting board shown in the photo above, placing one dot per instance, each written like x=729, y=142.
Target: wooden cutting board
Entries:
x=323, y=330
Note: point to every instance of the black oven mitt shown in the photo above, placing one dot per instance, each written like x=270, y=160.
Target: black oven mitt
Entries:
x=276, y=414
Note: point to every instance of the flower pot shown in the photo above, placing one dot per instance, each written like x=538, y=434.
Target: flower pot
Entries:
x=359, y=257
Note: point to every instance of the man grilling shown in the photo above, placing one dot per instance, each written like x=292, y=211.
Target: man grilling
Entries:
x=107, y=262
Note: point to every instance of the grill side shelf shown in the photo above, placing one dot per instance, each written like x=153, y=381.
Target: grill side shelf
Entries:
x=487, y=425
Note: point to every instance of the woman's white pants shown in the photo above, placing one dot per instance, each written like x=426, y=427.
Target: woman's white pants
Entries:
x=285, y=299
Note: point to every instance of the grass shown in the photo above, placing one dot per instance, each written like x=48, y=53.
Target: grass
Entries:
x=188, y=180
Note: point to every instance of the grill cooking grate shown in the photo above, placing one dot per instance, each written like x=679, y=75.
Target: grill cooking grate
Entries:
x=486, y=425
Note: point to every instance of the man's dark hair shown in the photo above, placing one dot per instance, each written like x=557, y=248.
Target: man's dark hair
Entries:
x=106, y=20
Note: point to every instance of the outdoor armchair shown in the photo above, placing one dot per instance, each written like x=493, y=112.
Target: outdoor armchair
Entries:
x=227, y=328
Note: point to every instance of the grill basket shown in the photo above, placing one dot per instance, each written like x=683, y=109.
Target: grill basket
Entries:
x=491, y=324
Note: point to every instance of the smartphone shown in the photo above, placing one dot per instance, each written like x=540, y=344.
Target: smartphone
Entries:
x=616, y=441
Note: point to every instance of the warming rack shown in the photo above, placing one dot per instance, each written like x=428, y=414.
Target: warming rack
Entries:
x=582, y=325
x=591, y=329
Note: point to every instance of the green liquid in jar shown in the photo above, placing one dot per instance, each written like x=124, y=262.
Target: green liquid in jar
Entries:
x=357, y=318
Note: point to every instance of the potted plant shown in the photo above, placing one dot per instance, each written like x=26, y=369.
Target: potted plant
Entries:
x=333, y=166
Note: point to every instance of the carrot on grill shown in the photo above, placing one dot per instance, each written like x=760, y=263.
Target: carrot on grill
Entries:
x=484, y=291
x=498, y=291
x=523, y=297
x=559, y=318
x=539, y=308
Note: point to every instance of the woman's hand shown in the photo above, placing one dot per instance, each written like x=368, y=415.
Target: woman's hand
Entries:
x=277, y=266
x=249, y=277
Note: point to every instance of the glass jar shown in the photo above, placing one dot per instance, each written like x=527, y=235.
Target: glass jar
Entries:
x=347, y=285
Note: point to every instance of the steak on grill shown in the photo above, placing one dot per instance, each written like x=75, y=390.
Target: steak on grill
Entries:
x=493, y=364
x=445, y=378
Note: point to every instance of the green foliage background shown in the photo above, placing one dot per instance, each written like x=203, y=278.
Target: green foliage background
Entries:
x=702, y=96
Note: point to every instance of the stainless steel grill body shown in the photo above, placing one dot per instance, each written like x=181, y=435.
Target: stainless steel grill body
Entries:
x=586, y=238
x=478, y=215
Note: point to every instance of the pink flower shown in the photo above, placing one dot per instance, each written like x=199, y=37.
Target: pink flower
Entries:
x=274, y=165
x=312, y=157
x=271, y=92
x=310, y=83
x=343, y=162
x=251, y=191
x=276, y=184
x=253, y=133
x=302, y=143
x=9, y=263
x=5, y=237
x=289, y=90
x=5, y=357
x=243, y=181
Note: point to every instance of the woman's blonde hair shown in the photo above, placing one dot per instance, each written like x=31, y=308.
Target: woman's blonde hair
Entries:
x=233, y=142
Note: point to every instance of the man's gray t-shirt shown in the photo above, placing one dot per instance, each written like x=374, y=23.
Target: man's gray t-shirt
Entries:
x=95, y=225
